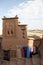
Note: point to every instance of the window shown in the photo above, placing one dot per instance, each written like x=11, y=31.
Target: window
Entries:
x=6, y=55
x=23, y=33
x=8, y=32
x=11, y=32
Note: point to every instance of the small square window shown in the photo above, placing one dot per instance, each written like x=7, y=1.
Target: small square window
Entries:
x=11, y=32
x=8, y=32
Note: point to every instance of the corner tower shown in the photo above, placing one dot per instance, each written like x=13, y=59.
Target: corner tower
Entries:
x=9, y=32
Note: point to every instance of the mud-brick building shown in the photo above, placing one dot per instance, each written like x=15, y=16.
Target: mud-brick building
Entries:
x=14, y=34
x=15, y=37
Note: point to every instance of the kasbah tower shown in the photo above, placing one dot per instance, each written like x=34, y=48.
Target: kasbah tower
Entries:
x=14, y=34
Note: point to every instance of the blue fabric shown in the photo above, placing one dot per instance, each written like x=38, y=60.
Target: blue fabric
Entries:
x=28, y=52
x=25, y=51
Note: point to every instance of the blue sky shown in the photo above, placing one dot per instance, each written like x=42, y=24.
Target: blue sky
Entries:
x=30, y=12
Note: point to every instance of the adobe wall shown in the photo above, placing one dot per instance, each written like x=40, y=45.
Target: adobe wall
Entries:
x=11, y=41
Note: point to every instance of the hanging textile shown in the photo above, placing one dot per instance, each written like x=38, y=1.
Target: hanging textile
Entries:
x=35, y=50
x=25, y=51
x=22, y=52
x=28, y=52
x=31, y=51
